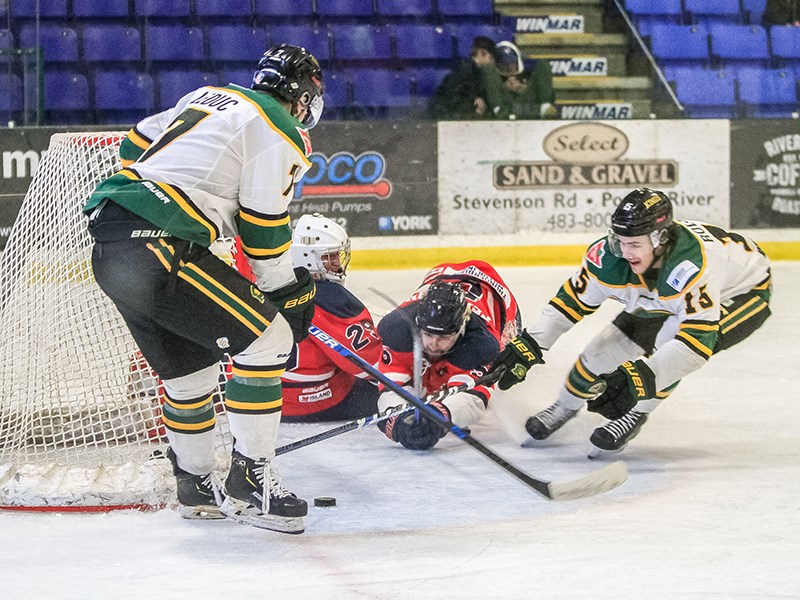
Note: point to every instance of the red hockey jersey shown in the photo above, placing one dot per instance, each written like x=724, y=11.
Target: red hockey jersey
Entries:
x=316, y=377
x=494, y=319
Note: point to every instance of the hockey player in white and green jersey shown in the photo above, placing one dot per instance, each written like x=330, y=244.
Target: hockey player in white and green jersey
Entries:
x=689, y=290
x=223, y=162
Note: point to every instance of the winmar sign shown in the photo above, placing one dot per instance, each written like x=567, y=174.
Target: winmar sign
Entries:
x=585, y=155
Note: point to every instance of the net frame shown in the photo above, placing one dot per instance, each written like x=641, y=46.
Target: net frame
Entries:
x=80, y=413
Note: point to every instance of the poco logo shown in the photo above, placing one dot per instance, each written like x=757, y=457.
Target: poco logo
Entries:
x=406, y=223
x=345, y=174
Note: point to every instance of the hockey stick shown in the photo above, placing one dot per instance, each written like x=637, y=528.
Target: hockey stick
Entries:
x=596, y=482
x=488, y=379
x=416, y=340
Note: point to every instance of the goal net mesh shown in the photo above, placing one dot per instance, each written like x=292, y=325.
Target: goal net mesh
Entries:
x=80, y=409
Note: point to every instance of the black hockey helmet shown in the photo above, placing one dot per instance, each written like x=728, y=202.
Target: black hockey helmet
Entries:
x=292, y=74
x=443, y=309
x=642, y=212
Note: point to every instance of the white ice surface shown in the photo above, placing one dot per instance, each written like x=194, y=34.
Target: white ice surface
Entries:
x=711, y=508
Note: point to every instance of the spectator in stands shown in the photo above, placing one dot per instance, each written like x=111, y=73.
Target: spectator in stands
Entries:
x=514, y=92
x=782, y=12
x=461, y=95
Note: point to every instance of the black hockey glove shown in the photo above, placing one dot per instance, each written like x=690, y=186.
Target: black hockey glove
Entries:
x=296, y=302
x=519, y=355
x=415, y=430
x=621, y=389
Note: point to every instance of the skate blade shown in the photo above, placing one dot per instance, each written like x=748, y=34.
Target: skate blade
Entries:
x=595, y=452
x=247, y=514
x=206, y=512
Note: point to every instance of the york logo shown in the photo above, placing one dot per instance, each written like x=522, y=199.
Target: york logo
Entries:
x=406, y=223
x=345, y=174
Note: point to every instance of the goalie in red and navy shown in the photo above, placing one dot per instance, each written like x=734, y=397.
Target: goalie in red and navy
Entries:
x=223, y=162
x=465, y=313
x=689, y=290
x=319, y=384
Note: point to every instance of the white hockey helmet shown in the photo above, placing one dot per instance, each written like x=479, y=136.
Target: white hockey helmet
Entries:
x=321, y=246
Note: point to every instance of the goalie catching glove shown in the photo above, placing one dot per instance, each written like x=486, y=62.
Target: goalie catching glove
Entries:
x=519, y=355
x=621, y=389
x=296, y=302
x=414, y=429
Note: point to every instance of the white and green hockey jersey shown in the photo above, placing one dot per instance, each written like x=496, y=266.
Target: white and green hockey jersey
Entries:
x=223, y=162
x=706, y=267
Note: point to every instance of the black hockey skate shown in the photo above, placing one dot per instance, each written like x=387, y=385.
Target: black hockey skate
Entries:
x=255, y=496
x=198, y=495
x=615, y=435
x=541, y=425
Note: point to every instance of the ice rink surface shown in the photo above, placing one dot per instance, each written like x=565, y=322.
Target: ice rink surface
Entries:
x=711, y=509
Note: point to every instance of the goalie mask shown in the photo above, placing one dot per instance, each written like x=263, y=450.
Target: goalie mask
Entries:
x=321, y=246
x=642, y=212
x=292, y=74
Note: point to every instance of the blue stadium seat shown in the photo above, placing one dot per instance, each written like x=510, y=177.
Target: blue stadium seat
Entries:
x=223, y=8
x=705, y=93
x=767, y=93
x=713, y=11
x=466, y=32
x=174, y=43
x=103, y=43
x=66, y=91
x=47, y=9
x=381, y=93
x=361, y=42
x=6, y=43
x=315, y=40
x=337, y=96
x=351, y=10
x=170, y=9
x=238, y=75
x=96, y=9
x=647, y=13
x=237, y=43
x=680, y=44
x=481, y=9
x=739, y=45
x=123, y=96
x=423, y=42
x=785, y=44
x=402, y=9
x=426, y=80
x=754, y=11
x=59, y=43
x=173, y=84
x=290, y=10
x=10, y=94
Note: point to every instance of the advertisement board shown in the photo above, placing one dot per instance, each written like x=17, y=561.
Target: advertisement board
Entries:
x=556, y=176
x=374, y=179
x=765, y=174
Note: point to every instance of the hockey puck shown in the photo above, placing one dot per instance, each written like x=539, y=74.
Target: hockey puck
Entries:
x=325, y=501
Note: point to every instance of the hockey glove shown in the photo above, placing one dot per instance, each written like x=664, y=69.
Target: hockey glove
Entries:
x=621, y=389
x=519, y=355
x=415, y=430
x=296, y=302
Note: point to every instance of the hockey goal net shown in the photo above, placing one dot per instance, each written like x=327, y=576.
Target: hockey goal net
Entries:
x=80, y=412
